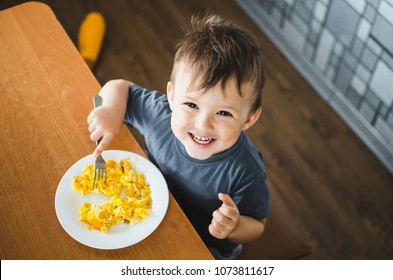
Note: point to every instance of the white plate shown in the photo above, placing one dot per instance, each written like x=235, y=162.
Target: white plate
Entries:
x=68, y=201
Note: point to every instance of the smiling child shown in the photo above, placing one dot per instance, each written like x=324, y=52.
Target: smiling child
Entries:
x=195, y=134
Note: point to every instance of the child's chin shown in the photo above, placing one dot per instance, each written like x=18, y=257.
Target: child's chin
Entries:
x=198, y=156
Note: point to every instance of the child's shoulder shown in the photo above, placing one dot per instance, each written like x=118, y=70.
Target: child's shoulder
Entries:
x=146, y=93
x=251, y=149
x=246, y=158
x=145, y=98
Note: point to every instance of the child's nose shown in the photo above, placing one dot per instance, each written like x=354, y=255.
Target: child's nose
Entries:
x=204, y=121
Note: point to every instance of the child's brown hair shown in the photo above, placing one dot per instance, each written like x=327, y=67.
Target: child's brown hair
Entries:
x=218, y=50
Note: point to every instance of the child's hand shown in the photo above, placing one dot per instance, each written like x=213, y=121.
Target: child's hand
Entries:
x=225, y=219
x=104, y=125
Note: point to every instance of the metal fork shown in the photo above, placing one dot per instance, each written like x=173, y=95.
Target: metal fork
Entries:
x=100, y=164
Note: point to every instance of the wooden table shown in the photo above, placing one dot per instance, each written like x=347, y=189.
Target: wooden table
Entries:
x=46, y=93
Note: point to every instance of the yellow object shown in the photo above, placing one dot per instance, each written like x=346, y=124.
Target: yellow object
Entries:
x=90, y=37
x=132, y=207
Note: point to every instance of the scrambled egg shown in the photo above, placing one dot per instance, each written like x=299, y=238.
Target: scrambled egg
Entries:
x=130, y=200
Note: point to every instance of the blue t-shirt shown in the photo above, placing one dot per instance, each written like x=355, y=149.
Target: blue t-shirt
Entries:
x=238, y=171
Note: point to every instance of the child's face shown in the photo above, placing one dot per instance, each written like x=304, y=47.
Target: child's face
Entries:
x=209, y=123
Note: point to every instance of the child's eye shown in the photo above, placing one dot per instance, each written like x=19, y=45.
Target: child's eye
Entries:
x=191, y=105
x=224, y=113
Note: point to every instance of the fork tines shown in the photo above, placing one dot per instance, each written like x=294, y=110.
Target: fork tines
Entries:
x=99, y=170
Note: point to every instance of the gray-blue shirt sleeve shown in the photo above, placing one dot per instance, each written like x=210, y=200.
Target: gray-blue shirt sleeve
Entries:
x=144, y=108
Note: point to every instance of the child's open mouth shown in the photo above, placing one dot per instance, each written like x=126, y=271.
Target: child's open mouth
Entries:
x=201, y=140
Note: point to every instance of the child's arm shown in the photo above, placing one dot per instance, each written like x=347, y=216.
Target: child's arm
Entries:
x=105, y=121
x=228, y=223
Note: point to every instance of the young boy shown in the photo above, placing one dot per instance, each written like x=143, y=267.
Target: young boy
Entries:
x=195, y=133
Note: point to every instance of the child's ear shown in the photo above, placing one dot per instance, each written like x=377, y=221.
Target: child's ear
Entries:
x=252, y=119
x=169, y=93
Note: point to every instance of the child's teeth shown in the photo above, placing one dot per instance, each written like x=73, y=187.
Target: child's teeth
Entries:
x=202, y=140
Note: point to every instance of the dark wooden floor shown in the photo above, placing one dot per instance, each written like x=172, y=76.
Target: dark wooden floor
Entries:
x=338, y=192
